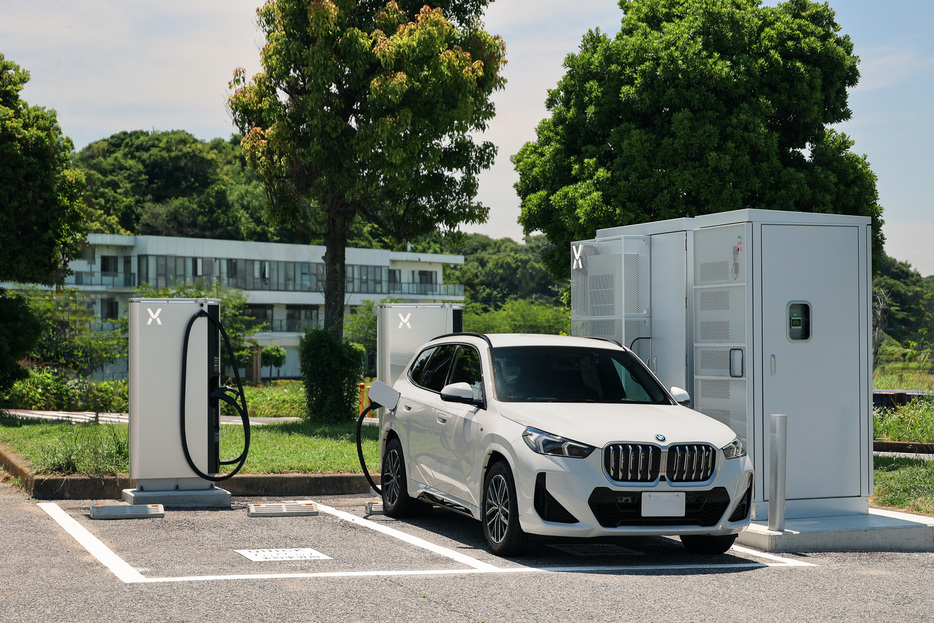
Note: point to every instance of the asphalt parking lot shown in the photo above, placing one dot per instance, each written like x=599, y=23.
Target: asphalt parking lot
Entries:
x=341, y=565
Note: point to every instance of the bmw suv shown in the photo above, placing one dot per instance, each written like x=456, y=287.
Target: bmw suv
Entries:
x=559, y=436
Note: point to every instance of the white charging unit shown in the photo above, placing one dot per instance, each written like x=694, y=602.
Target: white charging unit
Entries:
x=401, y=329
x=754, y=312
x=157, y=329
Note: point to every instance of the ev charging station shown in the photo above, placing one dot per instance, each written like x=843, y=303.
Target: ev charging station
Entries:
x=401, y=329
x=174, y=401
x=756, y=313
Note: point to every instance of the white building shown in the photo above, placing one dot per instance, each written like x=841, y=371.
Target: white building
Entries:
x=284, y=283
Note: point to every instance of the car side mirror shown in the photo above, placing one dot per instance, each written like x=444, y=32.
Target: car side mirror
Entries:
x=681, y=396
x=460, y=392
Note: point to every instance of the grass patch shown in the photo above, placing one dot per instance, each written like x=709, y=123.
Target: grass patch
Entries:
x=911, y=422
x=63, y=448
x=278, y=399
x=902, y=376
x=904, y=484
x=103, y=449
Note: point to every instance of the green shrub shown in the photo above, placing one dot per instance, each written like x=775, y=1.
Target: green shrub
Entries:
x=47, y=390
x=331, y=372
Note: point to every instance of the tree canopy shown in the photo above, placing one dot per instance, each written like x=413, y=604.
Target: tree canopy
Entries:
x=367, y=110
x=173, y=184
x=41, y=225
x=497, y=270
x=694, y=108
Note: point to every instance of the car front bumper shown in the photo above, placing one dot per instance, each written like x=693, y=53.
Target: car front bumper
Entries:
x=574, y=497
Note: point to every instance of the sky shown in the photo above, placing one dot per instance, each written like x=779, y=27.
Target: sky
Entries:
x=111, y=65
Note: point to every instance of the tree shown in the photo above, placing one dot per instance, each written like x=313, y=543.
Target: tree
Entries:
x=72, y=338
x=518, y=316
x=172, y=184
x=367, y=110
x=695, y=108
x=272, y=356
x=497, y=270
x=360, y=328
x=41, y=225
x=19, y=330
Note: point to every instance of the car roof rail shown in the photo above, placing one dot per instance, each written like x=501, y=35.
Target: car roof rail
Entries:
x=482, y=336
x=605, y=339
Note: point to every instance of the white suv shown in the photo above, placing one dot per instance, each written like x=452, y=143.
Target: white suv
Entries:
x=561, y=436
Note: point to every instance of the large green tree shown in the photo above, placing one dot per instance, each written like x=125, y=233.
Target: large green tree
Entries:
x=367, y=110
x=497, y=270
x=41, y=225
x=697, y=107
x=173, y=184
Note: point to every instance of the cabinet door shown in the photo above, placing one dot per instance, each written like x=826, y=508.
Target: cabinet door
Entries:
x=811, y=355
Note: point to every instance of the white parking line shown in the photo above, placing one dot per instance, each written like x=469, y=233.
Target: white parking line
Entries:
x=95, y=547
x=780, y=561
x=412, y=540
x=129, y=575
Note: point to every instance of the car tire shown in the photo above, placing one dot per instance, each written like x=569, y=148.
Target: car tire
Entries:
x=393, y=484
x=500, y=512
x=707, y=544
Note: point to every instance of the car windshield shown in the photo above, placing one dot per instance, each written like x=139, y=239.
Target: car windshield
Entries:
x=573, y=374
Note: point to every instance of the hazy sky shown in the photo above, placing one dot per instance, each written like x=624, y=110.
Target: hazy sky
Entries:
x=112, y=65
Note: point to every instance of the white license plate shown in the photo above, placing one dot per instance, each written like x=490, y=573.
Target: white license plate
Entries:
x=662, y=504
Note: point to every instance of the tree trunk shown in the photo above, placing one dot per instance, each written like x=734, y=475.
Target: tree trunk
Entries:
x=335, y=243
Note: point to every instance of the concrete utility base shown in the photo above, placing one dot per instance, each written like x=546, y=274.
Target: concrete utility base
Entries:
x=182, y=498
x=877, y=531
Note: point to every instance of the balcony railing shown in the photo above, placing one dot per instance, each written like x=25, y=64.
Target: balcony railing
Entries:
x=128, y=280
x=110, y=280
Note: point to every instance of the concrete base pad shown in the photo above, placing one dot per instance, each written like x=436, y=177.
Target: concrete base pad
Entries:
x=876, y=531
x=199, y=498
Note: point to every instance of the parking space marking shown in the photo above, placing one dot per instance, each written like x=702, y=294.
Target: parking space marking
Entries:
x=408, y=538
x=95, y=547
x=129, y=575
x=780, y=561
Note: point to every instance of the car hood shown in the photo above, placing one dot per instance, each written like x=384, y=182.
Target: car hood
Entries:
x=597, y=424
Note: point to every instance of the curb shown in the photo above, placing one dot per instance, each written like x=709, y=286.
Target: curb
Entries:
x=907, y=447
x=42, y=487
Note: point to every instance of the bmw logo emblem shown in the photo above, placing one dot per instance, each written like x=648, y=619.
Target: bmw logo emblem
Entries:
x=659, y=437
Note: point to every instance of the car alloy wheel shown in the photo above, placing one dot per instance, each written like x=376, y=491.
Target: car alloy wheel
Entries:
x=501, y=527
x=396, y=500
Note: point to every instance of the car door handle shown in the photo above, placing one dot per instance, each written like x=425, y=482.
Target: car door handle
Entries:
x=407, y=407
x=442, y=420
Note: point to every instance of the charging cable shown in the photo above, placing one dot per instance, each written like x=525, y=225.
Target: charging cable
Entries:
x=227, y=394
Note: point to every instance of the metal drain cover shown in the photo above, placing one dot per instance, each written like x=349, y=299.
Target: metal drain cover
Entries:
x=288, y=509
x=272, y=555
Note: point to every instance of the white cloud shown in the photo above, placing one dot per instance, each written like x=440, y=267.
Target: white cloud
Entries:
x=884, y=68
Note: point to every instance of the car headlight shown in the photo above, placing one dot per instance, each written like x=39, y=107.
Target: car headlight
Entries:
x=552, y=445
x=734, y=449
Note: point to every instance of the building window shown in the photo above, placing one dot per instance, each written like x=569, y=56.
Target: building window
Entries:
x=260, y=315
x=110, y=309
x=299, y=318
x=427, y=280
x=110, y=264
x=365, y=279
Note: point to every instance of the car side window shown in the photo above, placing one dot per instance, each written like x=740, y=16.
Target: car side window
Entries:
x=415, y=372
x=467, y=369
x=435, y=374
